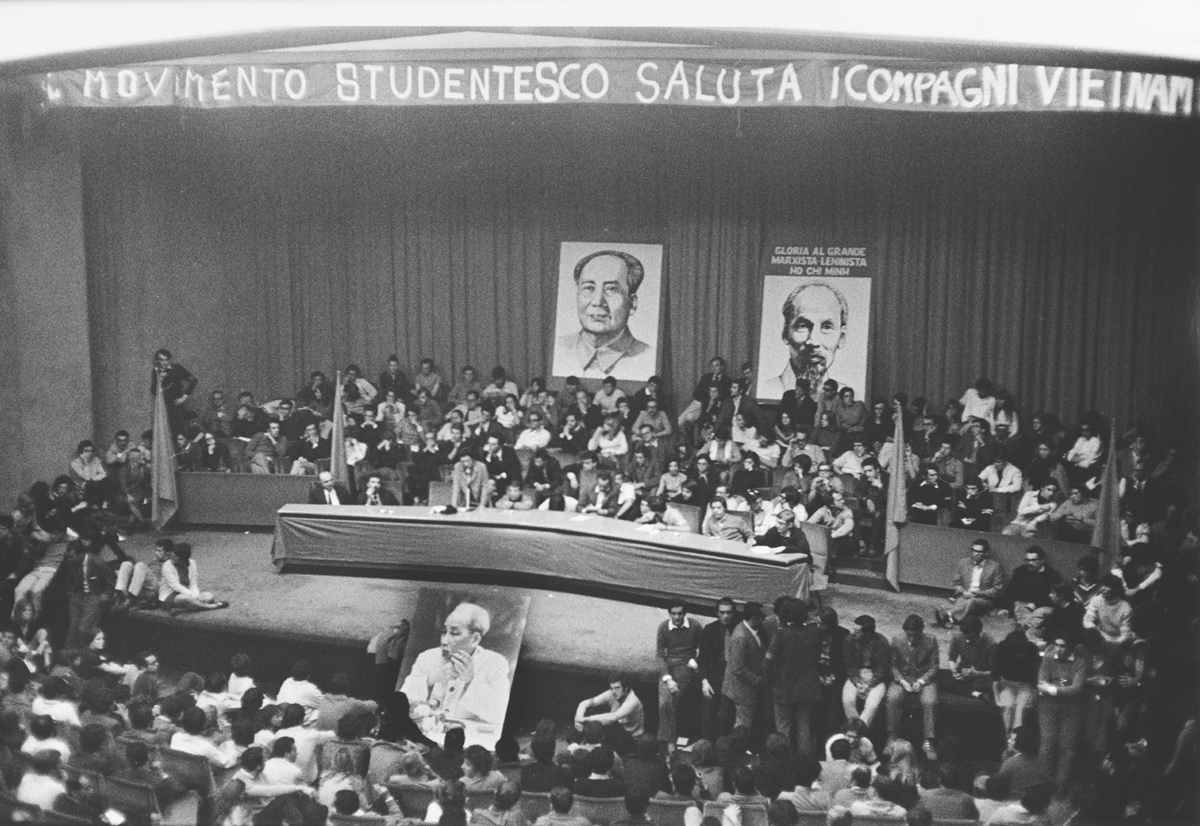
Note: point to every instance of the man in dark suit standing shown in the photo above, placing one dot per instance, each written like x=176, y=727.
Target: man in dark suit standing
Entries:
x=744, y=669
x=326, y=492
x=791, y=667
x=89, y=584
x=376, y=494
x=716, y=716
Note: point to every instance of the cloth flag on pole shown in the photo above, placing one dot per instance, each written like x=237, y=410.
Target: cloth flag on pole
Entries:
x=1107, y=534
x=164, y=500
x=897, y=505
x=337, y=452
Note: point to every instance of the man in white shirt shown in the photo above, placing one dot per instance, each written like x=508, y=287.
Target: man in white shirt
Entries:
x=851, y=461
x=535, y=436
x=306, y=741
x=298, y=688
x=621, y=704
x=500, y=387
x=40, y=786
x=1084, y=456
x=801, y=446
x=282, y=768
x=658, y=421
x=608, y=396
x=193, y=741
x=366, y=390
x=1001, y=476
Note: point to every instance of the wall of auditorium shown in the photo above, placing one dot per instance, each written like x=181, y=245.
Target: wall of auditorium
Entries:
x=1051, y=252
x=46, y=368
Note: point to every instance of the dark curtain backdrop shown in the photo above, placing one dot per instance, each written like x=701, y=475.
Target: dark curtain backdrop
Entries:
x=1052, y=253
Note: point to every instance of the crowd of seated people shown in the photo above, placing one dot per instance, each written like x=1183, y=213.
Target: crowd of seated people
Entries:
x=977, y=463
x=1097, y=697
x=1089, y=660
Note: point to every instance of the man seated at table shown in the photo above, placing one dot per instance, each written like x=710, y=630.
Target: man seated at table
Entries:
x=787, y=536
x=978, y=583
x=376, y=494
x=719, y=524
x=327, y=492
x=468, y=482
x=602, y=498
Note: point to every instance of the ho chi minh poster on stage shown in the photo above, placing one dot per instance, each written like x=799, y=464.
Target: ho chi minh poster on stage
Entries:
x=460, y=659
x=816, y=318
x=607, y=317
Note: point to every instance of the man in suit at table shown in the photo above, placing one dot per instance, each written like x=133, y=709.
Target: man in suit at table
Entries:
x=376, y=494
x=327, y=492
x=744, y=665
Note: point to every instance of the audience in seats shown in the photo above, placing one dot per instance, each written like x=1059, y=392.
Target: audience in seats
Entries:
x=1094, y=665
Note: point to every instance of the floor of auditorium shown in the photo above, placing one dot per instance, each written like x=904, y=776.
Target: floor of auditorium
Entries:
x=564, y=631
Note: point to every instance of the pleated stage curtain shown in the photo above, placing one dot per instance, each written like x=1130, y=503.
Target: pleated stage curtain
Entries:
x=1053, y=253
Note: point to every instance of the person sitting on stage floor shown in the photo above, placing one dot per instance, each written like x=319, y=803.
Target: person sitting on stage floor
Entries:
x=328, y=492
x=468, y=483
x=868, y=670
x=376, y=494
x=978, y=583
x=970, y=661
x=1027, y=594
x=914, y=676
x=624, y=708
x=179, y=589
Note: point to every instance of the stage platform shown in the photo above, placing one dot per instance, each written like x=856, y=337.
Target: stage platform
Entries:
x=571, y=641
x=582, y=553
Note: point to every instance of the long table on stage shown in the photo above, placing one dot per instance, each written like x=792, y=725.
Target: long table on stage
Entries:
x=575, y=552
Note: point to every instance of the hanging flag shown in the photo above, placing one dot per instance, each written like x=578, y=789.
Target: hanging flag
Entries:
x=337, y=453
x=897, y=504
x=1107, y=534
x=163, y=497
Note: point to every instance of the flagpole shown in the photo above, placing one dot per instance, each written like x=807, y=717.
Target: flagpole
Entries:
x=897, y=504
x=164, y=499
x=337, y=451
x=1106, y=535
